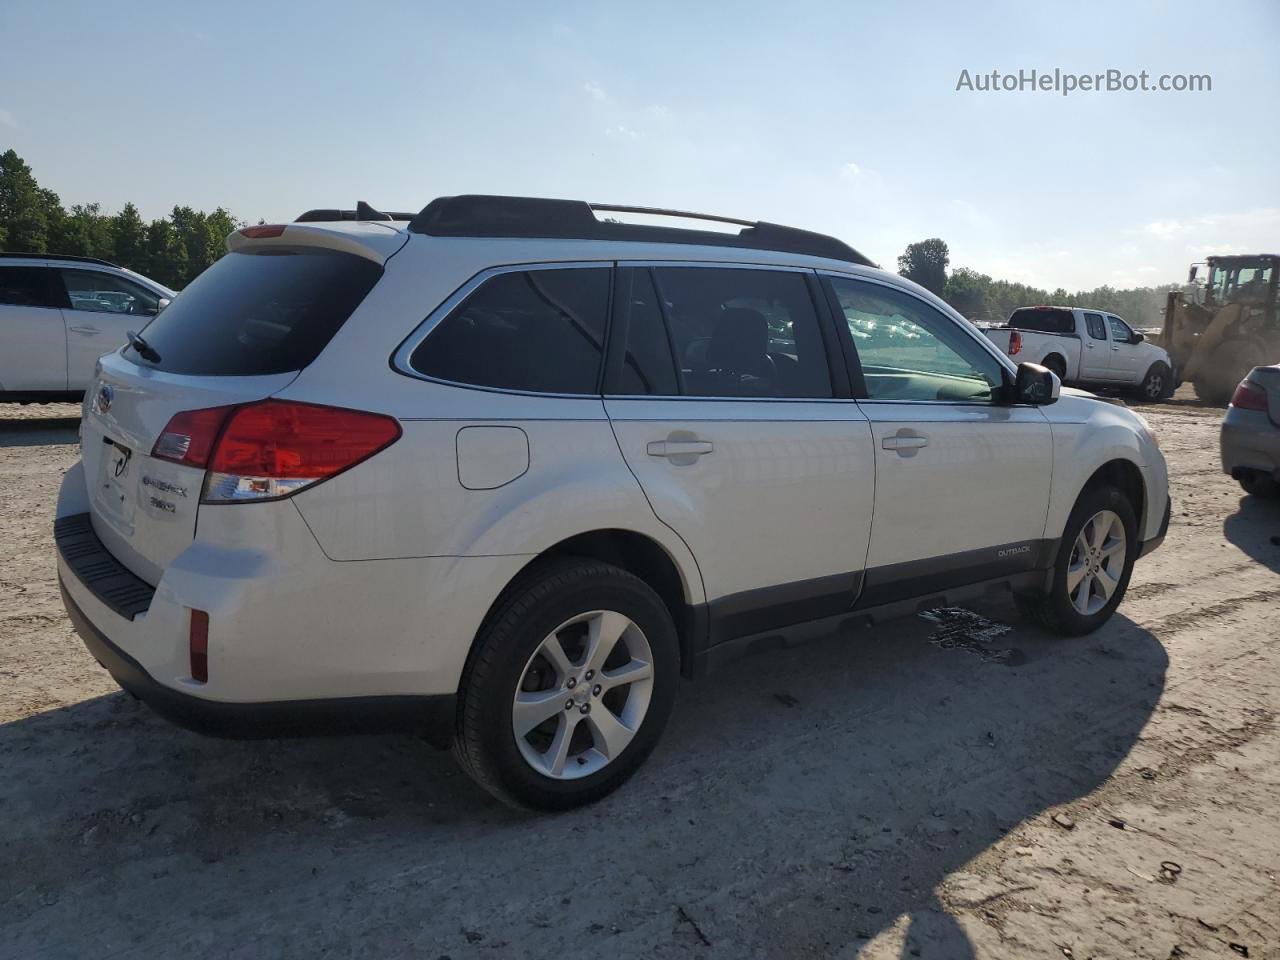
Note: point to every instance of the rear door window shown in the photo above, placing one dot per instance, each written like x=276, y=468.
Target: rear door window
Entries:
x=1096, y=325
x=648, y=364
x=30, y=287
x=262, y=312
x=743, y=332
x=540, y=331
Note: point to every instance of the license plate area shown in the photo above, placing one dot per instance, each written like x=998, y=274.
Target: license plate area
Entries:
x=115, y=485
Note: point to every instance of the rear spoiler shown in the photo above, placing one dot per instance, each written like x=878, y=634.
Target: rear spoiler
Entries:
x=362, y=212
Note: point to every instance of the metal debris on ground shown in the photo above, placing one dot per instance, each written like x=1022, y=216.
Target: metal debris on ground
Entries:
x=965, y=630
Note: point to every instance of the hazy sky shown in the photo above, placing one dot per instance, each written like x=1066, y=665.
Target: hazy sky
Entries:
x=837, y=116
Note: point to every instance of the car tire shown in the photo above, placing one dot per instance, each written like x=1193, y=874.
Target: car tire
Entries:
x=538, y=640
x=1056, y=364
x=1157, y=385
x=1260, y=485
x=1104, y=510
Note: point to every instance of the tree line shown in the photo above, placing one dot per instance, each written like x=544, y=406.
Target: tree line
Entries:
x=984, y=300
x=172, y=250
x=176, y=248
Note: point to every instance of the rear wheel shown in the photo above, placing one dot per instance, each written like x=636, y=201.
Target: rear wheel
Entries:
x=1093, y=566
x=568, y=687
x=1057, y=365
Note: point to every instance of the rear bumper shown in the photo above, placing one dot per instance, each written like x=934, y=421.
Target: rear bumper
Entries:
x=431, y=716
x=1250, y=441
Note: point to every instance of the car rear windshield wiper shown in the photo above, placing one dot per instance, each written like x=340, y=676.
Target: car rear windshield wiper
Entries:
x=145, y=350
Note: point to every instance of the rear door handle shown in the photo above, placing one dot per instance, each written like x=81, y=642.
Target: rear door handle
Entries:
x=91, y=331
x=678, y=449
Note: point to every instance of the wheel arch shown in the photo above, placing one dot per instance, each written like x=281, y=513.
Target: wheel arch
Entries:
x=1061, y=361
x=645, y=558
x=1125, y=476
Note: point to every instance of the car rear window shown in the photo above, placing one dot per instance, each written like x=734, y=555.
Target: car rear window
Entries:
x=261, y=312
x=1044, y=319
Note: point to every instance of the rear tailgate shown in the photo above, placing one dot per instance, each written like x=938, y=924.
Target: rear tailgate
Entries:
x=1000, y=337
x=144, y=509
x=240, y=332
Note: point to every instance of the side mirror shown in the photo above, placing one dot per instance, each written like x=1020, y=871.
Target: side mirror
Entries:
x=1137, y=337
x=1036, y=385
x=1191, y=274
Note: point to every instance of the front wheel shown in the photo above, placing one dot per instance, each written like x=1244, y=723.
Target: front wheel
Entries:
x=1157, y=384
x=1093, y=566
x=568, y=687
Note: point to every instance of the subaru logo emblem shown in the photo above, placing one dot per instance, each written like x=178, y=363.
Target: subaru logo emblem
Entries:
x=102, y=403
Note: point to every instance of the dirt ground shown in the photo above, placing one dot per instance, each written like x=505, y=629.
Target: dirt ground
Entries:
x=875, y=795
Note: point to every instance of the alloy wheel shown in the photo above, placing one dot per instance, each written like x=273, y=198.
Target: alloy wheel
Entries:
x=1097, y=562
x=583, y=695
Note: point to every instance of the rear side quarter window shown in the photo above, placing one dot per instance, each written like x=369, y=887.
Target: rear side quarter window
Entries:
x=535, y=331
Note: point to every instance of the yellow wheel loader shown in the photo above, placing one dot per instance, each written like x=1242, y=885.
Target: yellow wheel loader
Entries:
x=1228, y=326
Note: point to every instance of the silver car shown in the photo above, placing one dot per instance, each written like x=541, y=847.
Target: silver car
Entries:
x=1251, y=433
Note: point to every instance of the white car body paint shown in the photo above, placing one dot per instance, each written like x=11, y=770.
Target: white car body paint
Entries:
x=375, y=582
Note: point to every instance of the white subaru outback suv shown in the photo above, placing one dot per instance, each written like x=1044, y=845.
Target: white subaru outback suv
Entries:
x=503, y=471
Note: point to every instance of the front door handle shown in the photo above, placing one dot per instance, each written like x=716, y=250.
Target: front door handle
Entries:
x=905, y=443
x=675, y=450
x=90, y=331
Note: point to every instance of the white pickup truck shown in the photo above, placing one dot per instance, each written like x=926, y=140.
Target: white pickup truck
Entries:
x=1087, y=347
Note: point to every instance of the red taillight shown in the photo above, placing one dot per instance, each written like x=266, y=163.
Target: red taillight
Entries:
x=263, y=230
x=188, y=437
x=272, y=448
x=1249, y=396
x=199, y=646
x=1015, y=342
x=276, y=448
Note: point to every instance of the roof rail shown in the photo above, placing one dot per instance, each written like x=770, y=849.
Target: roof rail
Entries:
x=362, y=212
x=60, y=256
x=479, y=215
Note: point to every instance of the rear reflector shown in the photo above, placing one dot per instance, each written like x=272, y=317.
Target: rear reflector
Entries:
x=263, y=230
x=1249, y=396
x=200, y=646
x=188, y=437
